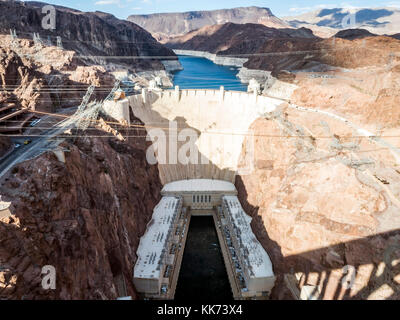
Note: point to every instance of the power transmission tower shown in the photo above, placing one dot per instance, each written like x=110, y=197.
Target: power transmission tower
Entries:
x=114, y=89
x=85, y=100
x=86, y=114
x=59, y=43
x=14, y=42
x=13, y=34
x=36, y=39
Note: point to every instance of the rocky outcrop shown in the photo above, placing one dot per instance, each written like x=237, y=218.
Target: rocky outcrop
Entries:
x=28, y=81
x=275, y=50
x=381, y=21
x=94, y=35
x=364, y=85
x=351, y=34
x=353, y=73
x=5, y=146
x=323, y=205
x=84, y=217
x=172, y=65
x=164, y=26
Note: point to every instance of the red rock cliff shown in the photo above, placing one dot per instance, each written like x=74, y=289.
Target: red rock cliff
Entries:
x=84, y=217
x=320, y=204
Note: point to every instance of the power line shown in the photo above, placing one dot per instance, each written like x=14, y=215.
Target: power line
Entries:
x=133, y=126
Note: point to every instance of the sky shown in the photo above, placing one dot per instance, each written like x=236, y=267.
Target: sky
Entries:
x=123, y=8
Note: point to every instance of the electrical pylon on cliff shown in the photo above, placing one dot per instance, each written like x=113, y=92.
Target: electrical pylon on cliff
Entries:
x=87, y=114
x=82, y=123
x=13, y=34
x=59, y=43
x=38, y=42
x=14, y=42
x=85, y=100
x=114, y=89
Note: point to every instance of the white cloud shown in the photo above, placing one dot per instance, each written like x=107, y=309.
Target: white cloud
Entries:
x=107, y=2
x=393, y=4
x=118, y=3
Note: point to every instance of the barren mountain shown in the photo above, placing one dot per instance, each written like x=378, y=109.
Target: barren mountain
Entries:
x=383, y=20
x=166, y=25
x=323, y=199
x=84, y=217
x=352, y=51
x=358, y=78
x=235, y=39
x=98, y=37
x=44, y=79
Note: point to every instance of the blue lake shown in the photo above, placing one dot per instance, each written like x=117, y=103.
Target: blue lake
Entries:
x=201, y=73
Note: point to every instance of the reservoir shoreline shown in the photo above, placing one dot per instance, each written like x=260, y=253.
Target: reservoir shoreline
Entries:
x=202, y=73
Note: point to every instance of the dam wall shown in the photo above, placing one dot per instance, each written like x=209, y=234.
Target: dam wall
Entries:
x=215, y=121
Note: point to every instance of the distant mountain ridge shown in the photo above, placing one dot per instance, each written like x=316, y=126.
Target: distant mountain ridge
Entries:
x=287, y=49
x=384, y=20
x=166, y=25
x=233, y=38
x=99, y=37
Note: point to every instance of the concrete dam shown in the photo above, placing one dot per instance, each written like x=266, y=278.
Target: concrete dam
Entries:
x=216, y=121
x=197, y=141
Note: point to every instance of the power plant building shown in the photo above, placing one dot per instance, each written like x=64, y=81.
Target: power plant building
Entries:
x=152, y=269
x=255, y=267
x=161, y=248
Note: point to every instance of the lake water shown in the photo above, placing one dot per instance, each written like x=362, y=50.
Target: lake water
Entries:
x=201, y=73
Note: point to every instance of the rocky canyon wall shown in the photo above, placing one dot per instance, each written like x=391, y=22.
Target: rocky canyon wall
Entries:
x=324, y=204
x=28, y=81
x=84, y=217
x=98, y=37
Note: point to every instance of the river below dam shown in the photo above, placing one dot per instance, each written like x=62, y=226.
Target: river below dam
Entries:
x=201, y=73
x=203, y=275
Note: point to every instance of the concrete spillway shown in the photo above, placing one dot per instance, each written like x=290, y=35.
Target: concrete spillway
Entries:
x=218, y=122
